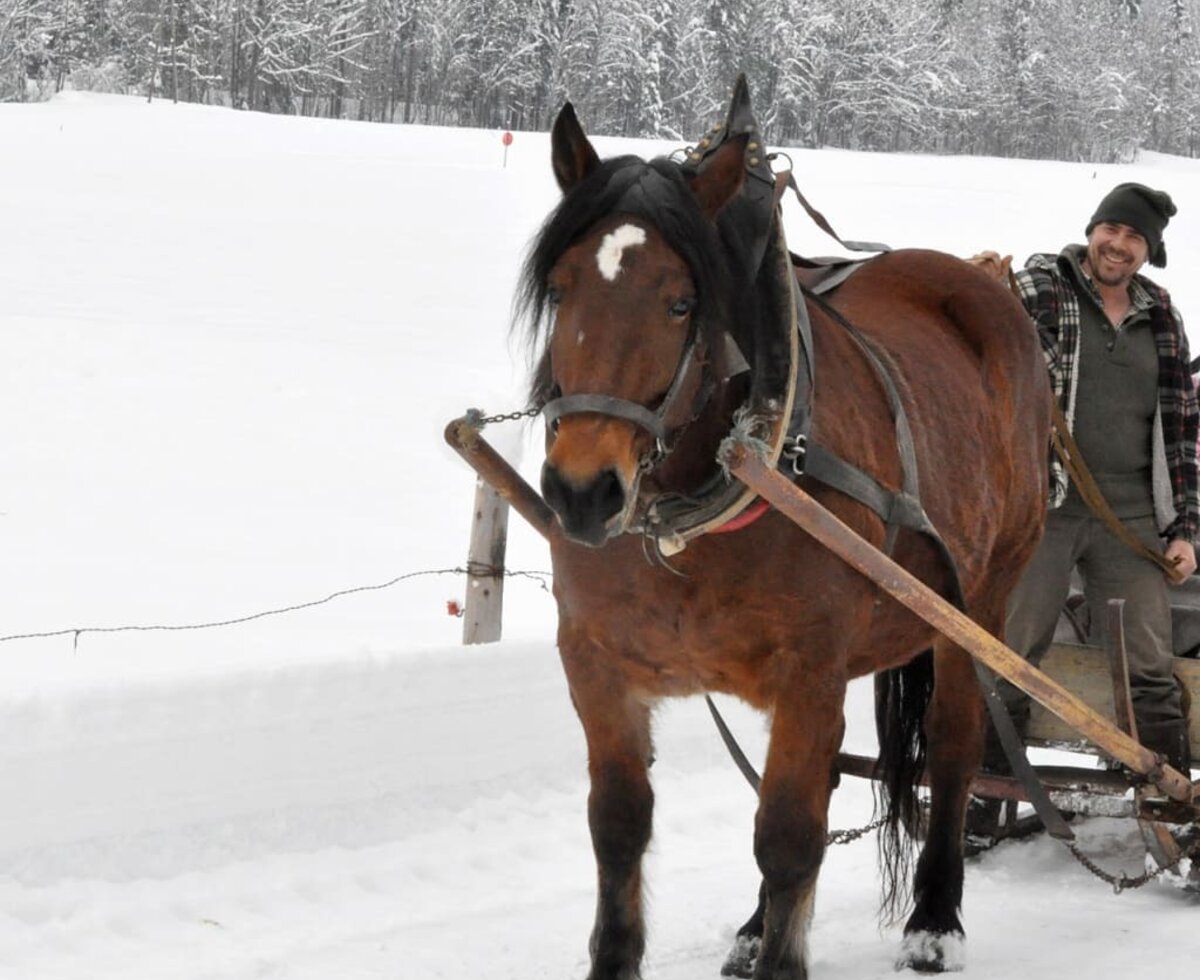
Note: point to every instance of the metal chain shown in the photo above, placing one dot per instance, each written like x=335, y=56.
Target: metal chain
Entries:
x=1119, y=882
x=849, y=836
x=478, y=419
x=1122, y=881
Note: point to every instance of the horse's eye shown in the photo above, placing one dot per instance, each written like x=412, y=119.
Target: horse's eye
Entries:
x=553, y=295
x=681, y=309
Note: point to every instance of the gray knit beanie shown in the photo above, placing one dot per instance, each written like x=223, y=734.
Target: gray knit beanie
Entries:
x=1143, y=209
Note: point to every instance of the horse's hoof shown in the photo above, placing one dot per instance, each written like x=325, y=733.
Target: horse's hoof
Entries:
x=741, y=959
x=626, y=973
x=933, y=952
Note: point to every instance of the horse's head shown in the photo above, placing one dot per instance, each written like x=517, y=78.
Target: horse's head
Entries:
x=630, y=274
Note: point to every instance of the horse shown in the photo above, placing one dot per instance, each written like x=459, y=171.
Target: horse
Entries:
x=645, y=303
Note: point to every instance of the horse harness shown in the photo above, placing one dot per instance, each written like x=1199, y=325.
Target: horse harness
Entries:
x=778, y=410
x=780, y=405
x=779, y=413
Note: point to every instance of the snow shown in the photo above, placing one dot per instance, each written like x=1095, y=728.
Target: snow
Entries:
x=230, y=343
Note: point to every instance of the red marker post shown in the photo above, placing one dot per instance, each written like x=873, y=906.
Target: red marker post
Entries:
x=506, y=139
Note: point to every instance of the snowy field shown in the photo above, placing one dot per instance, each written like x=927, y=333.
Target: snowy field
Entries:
x=229, y=344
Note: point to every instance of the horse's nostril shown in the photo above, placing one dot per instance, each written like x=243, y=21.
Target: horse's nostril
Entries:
x=584, y=510
x=554, y=489
x=609, y=494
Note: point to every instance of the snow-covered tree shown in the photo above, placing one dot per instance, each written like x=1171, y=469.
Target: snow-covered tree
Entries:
x=1053, y=78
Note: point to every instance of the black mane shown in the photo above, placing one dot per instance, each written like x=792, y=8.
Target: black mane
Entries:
x=655, y=191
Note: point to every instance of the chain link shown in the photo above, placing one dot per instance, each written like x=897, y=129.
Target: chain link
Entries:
x=479, y=420
x=1121, y=882
x=850, y=836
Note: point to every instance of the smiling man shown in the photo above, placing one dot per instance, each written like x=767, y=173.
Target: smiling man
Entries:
x=1118, y=361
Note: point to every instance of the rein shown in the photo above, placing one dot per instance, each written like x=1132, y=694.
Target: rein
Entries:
x=1068, y=451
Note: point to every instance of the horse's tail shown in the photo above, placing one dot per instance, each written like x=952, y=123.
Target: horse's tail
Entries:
x=901, y=696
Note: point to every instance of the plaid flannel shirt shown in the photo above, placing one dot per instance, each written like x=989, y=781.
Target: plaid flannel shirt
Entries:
x=1048, y=290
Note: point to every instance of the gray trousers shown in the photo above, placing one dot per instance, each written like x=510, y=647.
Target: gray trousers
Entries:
x=1109, y=570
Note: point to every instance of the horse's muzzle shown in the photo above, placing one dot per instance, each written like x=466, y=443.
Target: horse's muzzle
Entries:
x=586, y=512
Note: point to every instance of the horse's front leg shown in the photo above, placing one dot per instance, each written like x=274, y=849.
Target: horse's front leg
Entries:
x=934, y=941
x=616, y=724
x=789, y=837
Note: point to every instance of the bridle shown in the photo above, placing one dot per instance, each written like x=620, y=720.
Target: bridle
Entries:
x=676, y=412
x=669, y=421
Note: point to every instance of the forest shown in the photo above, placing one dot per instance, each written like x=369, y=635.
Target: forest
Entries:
x=1093, y=80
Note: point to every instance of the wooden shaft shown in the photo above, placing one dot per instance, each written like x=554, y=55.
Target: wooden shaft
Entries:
x=797, y=505
x=1060, y=781
x=464, y=438
x=1096, y=792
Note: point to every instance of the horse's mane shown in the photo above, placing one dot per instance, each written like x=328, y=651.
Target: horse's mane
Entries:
x=653, y=190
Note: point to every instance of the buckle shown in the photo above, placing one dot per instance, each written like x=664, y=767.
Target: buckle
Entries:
x=795, y=448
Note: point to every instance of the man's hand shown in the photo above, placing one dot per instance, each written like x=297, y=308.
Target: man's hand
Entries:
x=993, y=264
x=1182, y=553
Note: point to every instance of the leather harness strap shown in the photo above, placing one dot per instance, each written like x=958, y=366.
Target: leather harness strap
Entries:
x=897, y=508
x=820, y=221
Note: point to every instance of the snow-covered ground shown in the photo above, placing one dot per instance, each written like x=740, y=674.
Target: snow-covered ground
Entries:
x=228, y=346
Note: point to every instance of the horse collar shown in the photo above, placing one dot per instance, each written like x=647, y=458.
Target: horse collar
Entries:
x=744, y=519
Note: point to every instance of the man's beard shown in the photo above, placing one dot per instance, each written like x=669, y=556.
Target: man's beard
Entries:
x=1119, y=278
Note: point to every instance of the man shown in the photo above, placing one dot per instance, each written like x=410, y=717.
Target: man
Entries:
x=1118, y=361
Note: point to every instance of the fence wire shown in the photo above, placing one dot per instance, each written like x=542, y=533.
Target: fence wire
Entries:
x=474, y=569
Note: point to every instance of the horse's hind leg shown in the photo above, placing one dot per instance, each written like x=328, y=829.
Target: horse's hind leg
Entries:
x=789, y=837
x=617, y=727
x=954, y=726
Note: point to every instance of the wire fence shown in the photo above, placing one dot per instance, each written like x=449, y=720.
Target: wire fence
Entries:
x=473, y=569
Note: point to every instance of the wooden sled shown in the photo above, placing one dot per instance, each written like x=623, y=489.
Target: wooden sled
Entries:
x=1088, y=671
x=1101, y=678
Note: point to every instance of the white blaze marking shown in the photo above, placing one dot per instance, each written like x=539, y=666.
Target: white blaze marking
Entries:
x=608, y=258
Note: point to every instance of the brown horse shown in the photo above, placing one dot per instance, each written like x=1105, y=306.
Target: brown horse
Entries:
x=635, y=286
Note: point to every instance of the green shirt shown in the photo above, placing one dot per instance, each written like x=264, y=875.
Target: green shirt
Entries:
x=1115, y=400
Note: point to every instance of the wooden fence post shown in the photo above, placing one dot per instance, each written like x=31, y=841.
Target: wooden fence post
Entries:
x=484, y=603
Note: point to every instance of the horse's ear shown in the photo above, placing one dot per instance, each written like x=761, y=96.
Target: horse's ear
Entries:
x=721, y=176
x=571, y=154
